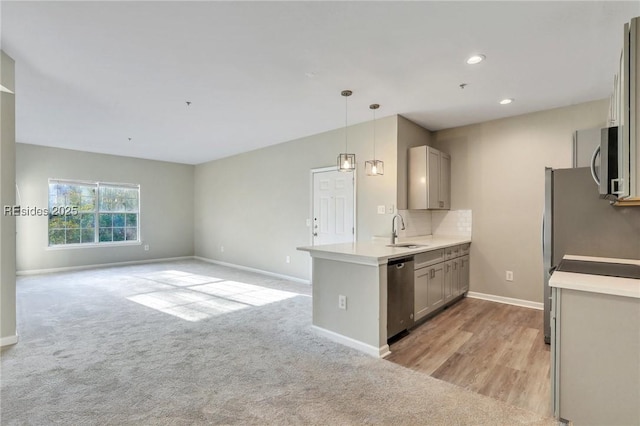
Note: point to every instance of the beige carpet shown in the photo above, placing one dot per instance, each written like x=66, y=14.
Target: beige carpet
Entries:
x=184, y=343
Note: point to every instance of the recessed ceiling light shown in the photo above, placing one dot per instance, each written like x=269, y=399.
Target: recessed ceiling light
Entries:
x=506, y=101
x=476, y=59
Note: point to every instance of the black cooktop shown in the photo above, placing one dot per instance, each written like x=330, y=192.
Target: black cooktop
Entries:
x=621, y=270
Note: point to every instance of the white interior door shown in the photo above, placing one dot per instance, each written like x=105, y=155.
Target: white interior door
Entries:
x=333, y=207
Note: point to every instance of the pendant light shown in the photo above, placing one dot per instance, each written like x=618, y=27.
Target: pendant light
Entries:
x=374, y=167
x=346, y=162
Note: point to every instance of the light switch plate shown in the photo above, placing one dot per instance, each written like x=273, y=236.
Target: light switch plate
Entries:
x=381, y=210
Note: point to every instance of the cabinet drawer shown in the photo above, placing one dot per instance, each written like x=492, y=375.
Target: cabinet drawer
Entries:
x=428, y=258
x=451, y=252
x=464, y=249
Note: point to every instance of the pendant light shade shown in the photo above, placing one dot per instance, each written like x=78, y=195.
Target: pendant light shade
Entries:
x=346, y=161
x=374, y=167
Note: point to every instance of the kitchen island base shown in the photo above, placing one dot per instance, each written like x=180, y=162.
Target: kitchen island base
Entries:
x=350, y=283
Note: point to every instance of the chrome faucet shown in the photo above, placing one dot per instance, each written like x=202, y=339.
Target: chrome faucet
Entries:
x=394, y=233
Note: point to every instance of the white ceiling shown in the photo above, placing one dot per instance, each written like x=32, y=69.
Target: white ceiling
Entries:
x=90, y=75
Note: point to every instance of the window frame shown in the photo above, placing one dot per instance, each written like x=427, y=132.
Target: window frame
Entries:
x=97, y=211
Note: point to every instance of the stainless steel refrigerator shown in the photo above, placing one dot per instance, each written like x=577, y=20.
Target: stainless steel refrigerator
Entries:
x=577, y=221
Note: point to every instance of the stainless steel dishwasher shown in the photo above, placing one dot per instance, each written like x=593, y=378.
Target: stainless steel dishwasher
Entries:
x=399, y=295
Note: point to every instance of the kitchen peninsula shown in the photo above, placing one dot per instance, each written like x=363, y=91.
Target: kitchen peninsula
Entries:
x=595, y=343
x=350, y=286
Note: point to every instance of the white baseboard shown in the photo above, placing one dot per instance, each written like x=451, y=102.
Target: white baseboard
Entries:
x=9, y=340
x=259, y=271
x=352, y=343
x=99, y=265
x=506, y=300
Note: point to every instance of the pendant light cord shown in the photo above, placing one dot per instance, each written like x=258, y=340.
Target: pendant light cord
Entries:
x=374, y=134
x=346, y=146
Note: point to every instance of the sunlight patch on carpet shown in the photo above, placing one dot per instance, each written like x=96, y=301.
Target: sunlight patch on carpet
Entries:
x=196, y=297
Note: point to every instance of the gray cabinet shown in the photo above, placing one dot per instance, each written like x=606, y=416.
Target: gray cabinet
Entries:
x=436, y=286
x=450, y=280
x=429, y=179
x=440, y=277
x=444, y=194
x=421, y=293
x=595, y=353
x=429, y=282
x=456, y=274
x=463, y=274
x=429, y=289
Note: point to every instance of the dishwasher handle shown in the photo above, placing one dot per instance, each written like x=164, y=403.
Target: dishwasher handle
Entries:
x=400, y=263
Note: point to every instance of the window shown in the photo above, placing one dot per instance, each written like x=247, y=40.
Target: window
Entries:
x=93, y=212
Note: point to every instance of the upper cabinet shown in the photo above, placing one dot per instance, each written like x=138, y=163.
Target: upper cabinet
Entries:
x=624, y=112
x=429, y=179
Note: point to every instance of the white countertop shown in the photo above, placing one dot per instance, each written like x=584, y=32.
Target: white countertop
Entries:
x=627, y=287
x=376, y=252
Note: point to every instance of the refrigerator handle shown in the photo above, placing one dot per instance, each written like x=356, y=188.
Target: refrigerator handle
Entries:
x=594, y=174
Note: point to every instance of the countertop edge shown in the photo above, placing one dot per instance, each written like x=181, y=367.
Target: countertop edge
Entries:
x=615, y=286
x=332, y=253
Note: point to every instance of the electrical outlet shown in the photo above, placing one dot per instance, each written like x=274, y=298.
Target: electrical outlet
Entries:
x=381, y=210
x=146, y=247
x=288, y=259
x=509, y=276
x=390, y=209
x=342, y=302
x=222, y=248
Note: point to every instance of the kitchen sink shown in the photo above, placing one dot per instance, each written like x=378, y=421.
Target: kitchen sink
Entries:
x=407, y=245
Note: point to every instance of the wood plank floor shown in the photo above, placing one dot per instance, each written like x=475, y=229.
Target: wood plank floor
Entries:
x=491, y=348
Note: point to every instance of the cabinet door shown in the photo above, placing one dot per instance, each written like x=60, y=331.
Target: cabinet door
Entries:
x=435, y=294
x=421, y=285
x=455, y=277
x=445, y=181
x=448, y=281
x=433, y=178
x=417, y=187
x=464, y=274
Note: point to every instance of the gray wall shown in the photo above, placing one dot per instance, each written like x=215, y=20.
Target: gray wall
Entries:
x=255, y=204
x=497, y=171
x=7, y=198
x=166, y=206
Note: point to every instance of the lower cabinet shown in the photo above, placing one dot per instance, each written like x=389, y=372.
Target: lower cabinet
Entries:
x=451, y=280
x=429, y=290
x=463, y=275
x=438, y=284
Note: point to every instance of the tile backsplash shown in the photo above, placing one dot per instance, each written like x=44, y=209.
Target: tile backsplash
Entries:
x=452, y=222
x=435, y=222
x=417, y=222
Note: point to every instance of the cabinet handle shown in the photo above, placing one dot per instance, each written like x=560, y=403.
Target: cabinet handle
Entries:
x=432, y=273
x=455, y=265
x=448, y=267
x=441, y=203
